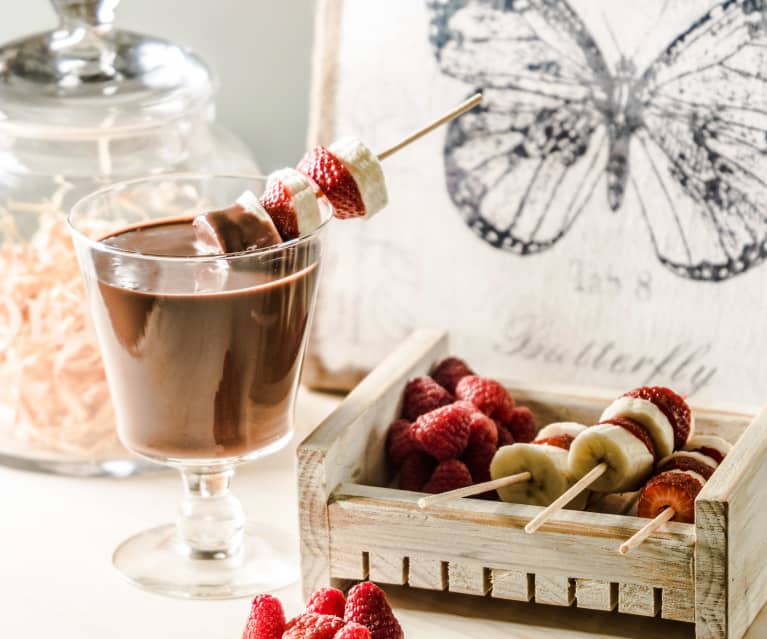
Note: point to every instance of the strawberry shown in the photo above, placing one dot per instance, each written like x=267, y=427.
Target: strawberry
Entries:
x=423, y=394
x=560, y=441
x=636, y=429
x=278, y=203
x=521, y=425
x=487, y=395
x=353, y=630
x=401, y=442
x=311, y=625
x=673, y=406
x=677, y=490
x=415, y=471
x=444, y=432
x=266, y=620
x=334, y=180
x=366, y=605
x=448, y=475
x=683, y=462
x=450, y=371
x=713, y=453
x=505, y=438
x=327, y=601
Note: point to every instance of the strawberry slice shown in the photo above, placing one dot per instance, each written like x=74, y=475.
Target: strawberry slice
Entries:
x=673, y=406
x=335, y=182
x=677, y=490
x=560, y=441
x=279, y=203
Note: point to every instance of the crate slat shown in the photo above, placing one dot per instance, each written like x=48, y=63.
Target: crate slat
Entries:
x=469, y=579
x=516, y=585
x=595, y=594
x=430, y=574
x=387, y=568
x=678, y=604
x=638, y=599
x=554, y=590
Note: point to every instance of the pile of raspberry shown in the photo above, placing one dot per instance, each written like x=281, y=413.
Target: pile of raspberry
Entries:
x=451, y=425
x=363, y=614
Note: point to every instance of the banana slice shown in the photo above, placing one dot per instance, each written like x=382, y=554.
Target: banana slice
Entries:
x=548, y=467
x=710, y=445
x=573, y=429
x=629, y=462
x=366, y=170
x=647, y=414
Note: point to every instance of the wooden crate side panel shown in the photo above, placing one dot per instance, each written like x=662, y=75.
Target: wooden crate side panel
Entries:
x=737, y=490
x=555, y=590
x=516, y=585
x=574, y=544
x=678, y=604
x=711, y=568
x=313, y=521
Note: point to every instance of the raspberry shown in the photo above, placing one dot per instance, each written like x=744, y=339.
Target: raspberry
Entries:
x=677, y=490
x=483, y=441
x=335, y=181
x=636, y=429
x=487, y=395
x=422, y=395
x=327, y=601
x=415, y=471
x=672, y=406
x=353, y=630
x=311, y=625
x=448, y=475
x=682, y=462
x=505, y=438
x=266, y=620
x=444, y=432
x=366, y=605
x=450, y=371
x=278, y=203
x=401, y=442
x=560, y=441
x=521, y=425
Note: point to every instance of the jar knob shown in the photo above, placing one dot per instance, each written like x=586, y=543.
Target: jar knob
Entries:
x=93, y=13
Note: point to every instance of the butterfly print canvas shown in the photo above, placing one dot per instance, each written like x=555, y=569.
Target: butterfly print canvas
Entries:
x=559, y=128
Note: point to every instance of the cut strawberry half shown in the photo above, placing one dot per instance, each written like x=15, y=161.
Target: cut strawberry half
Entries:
x=670, y=489
x=335, y=181
x=673, y=406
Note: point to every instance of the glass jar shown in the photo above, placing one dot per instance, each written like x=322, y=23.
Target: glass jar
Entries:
x=80, y=107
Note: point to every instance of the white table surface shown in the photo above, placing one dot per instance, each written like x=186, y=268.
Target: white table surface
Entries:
x=57, y=536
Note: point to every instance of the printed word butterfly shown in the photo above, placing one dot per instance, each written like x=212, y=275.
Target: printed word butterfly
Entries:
x=687, y=136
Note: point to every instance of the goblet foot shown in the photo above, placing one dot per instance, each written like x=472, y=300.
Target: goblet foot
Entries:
x=158, y=561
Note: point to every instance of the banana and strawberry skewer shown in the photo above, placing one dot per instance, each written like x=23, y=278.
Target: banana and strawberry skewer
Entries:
x=670, y=494
x=346, y=173
x=635, y=432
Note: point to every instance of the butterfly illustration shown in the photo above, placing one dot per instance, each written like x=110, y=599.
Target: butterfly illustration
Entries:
x=687, y=135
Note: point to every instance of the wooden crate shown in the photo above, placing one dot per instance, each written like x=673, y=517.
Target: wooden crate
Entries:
x=711, y=573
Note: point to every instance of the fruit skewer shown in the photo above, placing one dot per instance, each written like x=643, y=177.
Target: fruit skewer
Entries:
x=618, y=453
x=670, y=494
x=532, y=473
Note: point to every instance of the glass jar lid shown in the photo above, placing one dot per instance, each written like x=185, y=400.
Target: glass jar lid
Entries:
x=86, y=78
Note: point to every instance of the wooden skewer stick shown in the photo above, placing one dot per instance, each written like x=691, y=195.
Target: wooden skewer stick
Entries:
x=566, y=497
x=451, y=115
x=639, y=537
x=474, y=489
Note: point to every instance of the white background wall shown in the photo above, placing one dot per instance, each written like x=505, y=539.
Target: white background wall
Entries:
x=259, y=49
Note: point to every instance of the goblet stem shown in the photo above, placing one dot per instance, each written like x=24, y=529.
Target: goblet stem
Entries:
x=211, y=520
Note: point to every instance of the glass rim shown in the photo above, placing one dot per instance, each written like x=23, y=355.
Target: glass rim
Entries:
x=100, y=245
